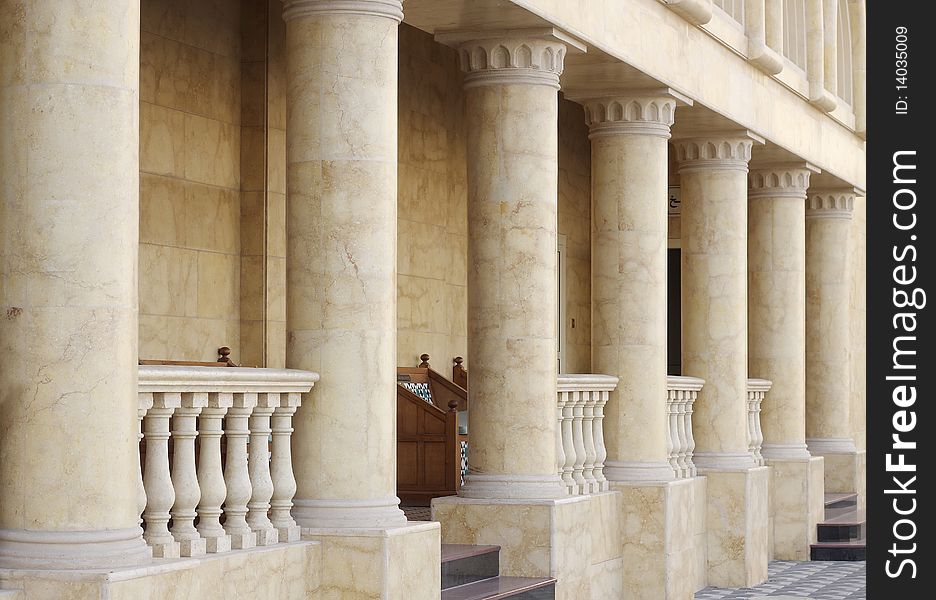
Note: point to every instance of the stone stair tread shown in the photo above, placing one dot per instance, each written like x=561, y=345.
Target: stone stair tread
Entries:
x=857, y=543
x=496, y=588
x=452, y=552
x=836, y=497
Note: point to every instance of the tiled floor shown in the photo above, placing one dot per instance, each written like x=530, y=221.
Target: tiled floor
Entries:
x=795, y=580
x=417, y=513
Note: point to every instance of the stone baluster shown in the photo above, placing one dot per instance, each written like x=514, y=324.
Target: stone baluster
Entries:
x=156, y=479
x=563, y=397
x=682, y=433
x=578, y=442
x=284, y=480
x=690, y=438
x=588, y=441
x=601, y=451
x=568, y=442
x=144, y=403
x=236, y=474
x=210, y=474
x=672, y=429
x=757, y=390
x=184, y=477
x=261, y=482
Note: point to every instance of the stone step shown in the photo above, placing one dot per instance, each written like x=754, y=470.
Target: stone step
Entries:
x=842, y=525
x=516, y=588
x=463, y=564
x=841, y=500
x=850, y=550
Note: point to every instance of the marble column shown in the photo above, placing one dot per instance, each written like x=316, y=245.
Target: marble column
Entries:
x=713, y=182
x=776, y=346
x=511, y=87
x=828, y=340
x=629, y=136
x=69, y=204
x=341, y=274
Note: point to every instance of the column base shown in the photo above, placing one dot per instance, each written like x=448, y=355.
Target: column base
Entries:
x=23, y=549
x=844, y=466
x=796, y=505
x=627, y=472
x=574, y=539
x=663, y=531
x=378, y=563
x=736, y=524
x=534, y=487
x=370, y=513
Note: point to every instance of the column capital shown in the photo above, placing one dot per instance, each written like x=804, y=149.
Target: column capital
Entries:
x=391, y=9
x=780, y=180
x=649, y=113
x=512, y=56
x=830, y=203
x=716, y=151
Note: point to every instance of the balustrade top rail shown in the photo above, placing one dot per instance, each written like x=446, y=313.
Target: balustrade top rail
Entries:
x=177, y=378
x=576, y=382
x=682, y=382
x=759, y=385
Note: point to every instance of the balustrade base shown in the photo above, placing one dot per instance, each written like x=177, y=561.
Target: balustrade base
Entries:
x=627, y=471
x=243, y=541
x=574, y=539
x=266, y=537
x=167, y=550
x=348, y=513
x=531, y=487
x=796, y=505
x=282, y=572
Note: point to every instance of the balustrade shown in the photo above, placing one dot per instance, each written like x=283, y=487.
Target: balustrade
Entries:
x=252, y=489
x=581, y=449
x=681, y=394
x=757, y=390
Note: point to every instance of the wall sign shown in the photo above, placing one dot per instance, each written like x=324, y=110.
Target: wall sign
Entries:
x=673, y=202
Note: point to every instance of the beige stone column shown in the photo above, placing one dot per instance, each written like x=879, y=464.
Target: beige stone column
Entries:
x=69, y=223
x=629, y=136
x=828, y=339
x=713, y=182
x=511, y=87
x=341, y=270
x=776, y=346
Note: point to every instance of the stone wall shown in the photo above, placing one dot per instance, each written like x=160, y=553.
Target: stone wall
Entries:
x=190, y=177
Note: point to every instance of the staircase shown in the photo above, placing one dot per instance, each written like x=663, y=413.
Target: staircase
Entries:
x=842, y=533
x=473, y=573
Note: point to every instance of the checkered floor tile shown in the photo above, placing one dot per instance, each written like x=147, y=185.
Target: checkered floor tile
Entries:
x=417, y=513
x=822, y=580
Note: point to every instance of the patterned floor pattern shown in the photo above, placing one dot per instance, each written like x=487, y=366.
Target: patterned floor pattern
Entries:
x=788, y=580
x=417, y=513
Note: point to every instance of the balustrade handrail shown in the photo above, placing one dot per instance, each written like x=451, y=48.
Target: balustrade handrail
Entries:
x=568, y=382
x=223, y=379
x=684, y=382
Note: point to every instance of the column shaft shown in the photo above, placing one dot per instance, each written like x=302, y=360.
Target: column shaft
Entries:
x=341, y=273
x=713, y=181
x=629, y=245
x=512, y=110
x=69, y=223
x=777, y=303
x=828, y=375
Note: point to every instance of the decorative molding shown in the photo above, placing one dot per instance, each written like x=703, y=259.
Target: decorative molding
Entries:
x=27, y=549
x=636, y=115
x=628, y=471
x=723, y=461
x=772, y=451
x=541, y=487
x=822, y=446
x=716, y=152
x=390, y=9
x=764, y=58
x=520, y=60
x=830, y=204
x=780, y=180
x=313, y=513
x=697, y=12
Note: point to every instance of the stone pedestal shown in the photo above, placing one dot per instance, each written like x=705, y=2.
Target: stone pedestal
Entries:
x=828, y=337
x=511, y=86
x=341, y=292
x=576, y=540
x=776, y=347
x=69, y=233
x=629, y=241
x=713, y=180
